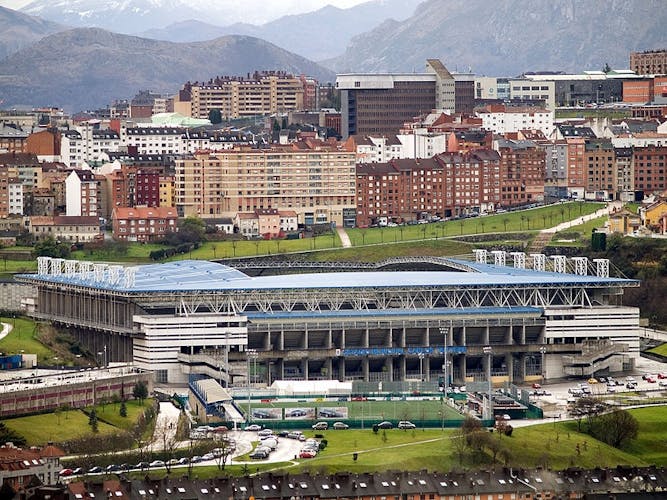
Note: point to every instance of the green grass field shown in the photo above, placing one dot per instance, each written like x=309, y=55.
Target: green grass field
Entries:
x=375, y=411
x=24, y=337
x=661, y=350
x=71, y=424
x=56, y=427
x=582, y=230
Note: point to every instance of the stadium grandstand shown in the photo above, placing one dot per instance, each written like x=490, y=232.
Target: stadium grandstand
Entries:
x=523, y=318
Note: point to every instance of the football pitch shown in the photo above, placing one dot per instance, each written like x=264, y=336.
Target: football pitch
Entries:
x=414, y=409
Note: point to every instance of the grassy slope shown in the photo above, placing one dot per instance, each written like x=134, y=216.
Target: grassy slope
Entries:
x=24, y=337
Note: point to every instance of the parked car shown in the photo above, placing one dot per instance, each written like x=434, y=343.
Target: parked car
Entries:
x=404, y=424
x=295, y=435
x=631, y=385
x=340, y=426
x=662, y=375
x=663, y=383
x=95, y=470
x=537, y=386
x=651, y=380
x=385, y=425
x=141, y=465
x=157, y=463
x=265, y=433
x=183, y=461
x=112, y=468
x=592, y=380
x=307, y=454
x=320, y=426
x=259, y=454
x=77, y=471
x=66, y=472
x=208, y=456
x=253, y=427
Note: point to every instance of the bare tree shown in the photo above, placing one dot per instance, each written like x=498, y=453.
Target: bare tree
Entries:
x=615, y=428
x=460, y=444
x=166, y=433
x=224, y=450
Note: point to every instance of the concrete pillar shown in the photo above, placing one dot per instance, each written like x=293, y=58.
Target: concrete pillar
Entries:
x=304, y=368
x=427, y=336
x=305, y=338
x=329, y=339
x=486, y=337
x=341, y=369
x=523, y=333
x=509, y=363
x=328, y=364
x=402, y=367
x=281, y=340
x=402, y=340
x=267, y=341
x=521, y=368
x=366, y=336
x=365, y=368
x=390, y=368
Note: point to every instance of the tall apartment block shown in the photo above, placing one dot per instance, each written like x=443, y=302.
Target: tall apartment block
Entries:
x=261, y=93
x=379, y=104
x=650, y=62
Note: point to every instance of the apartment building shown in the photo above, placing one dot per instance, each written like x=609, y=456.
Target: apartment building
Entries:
x=447, y=185
x=83, y=195
x=314, y=179
x=72, y=229
x=20, y=466
x=522, y=171
x=155, y=140
x=601, y=173
x=143, y=224
x=650, y=62
x=650, y=171
x=501, y=119
x=261, y=93
x=86, y=143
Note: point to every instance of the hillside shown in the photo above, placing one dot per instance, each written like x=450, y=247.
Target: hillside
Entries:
x=18, y=30
x=317, y=35
x=88, y=67
x=508, y=37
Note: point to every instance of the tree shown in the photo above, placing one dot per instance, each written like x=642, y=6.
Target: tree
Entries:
x=215, y=116
x=167, y=435
x=9, y=436
x=191, y=229
x=92, y=421
x=615, y=428
x=587, y=408
x=123, y=409
x=51, y=248
x=140, y=391
x=225, y=449
x=460, y=444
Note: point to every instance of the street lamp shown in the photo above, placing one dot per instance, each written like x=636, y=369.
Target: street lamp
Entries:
x=250, y=353
x=543, y=352
x=488, y=351
x=445, y=361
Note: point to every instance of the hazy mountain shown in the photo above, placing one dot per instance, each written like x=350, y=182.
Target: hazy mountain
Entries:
x=508, y=37
x=124, y=16
x=316, y=35
x=89, y=67
x=18, y=30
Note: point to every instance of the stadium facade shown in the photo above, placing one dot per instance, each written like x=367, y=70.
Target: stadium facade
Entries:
x=560, y=317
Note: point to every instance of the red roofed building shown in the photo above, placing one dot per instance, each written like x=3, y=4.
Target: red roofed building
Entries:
x=143, y=223
x=19, y=466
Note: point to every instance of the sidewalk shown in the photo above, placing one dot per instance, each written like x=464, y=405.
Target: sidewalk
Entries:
x=6, y=328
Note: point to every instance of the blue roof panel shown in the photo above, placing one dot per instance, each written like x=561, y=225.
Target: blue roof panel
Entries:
x=199, y=275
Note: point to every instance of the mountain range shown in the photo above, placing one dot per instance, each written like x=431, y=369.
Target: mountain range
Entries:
x=509, y=37
x=86, y=68
x=317, y=35
x=18, y=30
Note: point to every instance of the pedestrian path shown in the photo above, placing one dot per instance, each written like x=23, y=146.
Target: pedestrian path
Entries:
x=6, y=328
x=344, y=238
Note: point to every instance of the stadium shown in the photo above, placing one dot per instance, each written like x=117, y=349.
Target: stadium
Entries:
x=520, y=318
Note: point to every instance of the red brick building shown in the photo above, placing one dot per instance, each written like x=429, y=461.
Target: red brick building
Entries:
x=522, y=172
x=44, y=143
x=650, y=169
x=447, y=185
x=143, y=223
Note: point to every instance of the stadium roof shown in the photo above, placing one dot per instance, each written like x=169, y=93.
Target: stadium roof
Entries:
x=199, y=275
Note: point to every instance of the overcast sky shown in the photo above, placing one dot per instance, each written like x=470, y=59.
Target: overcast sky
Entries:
x=291, y=7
